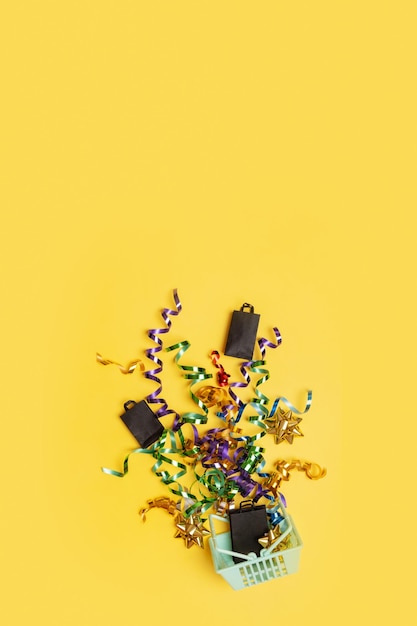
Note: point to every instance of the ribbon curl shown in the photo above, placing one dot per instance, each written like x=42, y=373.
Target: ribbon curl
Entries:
x=222, y=376
x=212, y=396
x=313, y=471
x=125, y=369
x=153, y=334
x=161, y=503
x=189, y=528
x=264, y=342
x=195, y=374
x=261, y=401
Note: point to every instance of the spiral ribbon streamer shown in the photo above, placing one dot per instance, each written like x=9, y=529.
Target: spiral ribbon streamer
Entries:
x=195, y=374
x=151, y=354
x=222, y=376
x=125, y=369
x=269, y=344
x=313, y=471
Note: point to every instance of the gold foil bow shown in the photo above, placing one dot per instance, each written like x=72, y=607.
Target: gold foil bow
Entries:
x=269, y=539
x=284, y=426
x=189, y=528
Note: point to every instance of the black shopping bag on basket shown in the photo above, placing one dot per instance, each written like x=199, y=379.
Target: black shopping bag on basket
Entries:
x=242, y=333
x=248, y=523
x=142, y=422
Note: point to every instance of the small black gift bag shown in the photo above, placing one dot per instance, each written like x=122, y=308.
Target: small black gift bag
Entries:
x=242, y=333
x=142, y=423
x=248, y=523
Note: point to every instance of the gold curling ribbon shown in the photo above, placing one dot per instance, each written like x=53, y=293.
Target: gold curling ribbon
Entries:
x=128, y=369
x=190, y=529
x=217, y=396
x=313, y=471
x=212, y=395
x=221, y=506
x=159, y=503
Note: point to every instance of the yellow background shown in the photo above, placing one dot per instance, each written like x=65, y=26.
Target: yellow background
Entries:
x=238, y=151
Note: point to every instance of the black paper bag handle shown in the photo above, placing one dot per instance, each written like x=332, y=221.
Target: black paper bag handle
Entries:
x=128, y=405
x=246, y=505
x=245, y=305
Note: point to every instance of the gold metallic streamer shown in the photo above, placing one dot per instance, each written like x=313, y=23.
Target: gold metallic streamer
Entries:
x=189, y=528
x=212, y=396
x=160, y=503
x=128, y=369
x=313, y=471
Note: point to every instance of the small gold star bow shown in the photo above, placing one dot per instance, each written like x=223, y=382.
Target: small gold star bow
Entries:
x=270, y=538
x=191, y=529
x=284, y=426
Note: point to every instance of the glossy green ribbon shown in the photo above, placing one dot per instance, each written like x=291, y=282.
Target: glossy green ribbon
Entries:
x=166, y=445
x=219, y=489
x=291, y=406
x=260, y=403
x=151, y=450
x=253, y=459
x=195, y=374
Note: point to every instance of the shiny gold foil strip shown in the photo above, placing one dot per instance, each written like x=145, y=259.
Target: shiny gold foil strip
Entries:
x=125, y=369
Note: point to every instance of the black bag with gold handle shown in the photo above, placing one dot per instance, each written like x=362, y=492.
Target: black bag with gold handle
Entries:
x=248, y=523
x=242, y=333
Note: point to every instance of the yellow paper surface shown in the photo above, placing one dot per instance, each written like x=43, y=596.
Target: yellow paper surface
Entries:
x=240, y=152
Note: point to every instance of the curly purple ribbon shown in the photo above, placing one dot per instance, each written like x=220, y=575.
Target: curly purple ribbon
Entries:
x=240, y=404
x=252, y=366
x=153, y=398
x=236, y=464
x=264, y=342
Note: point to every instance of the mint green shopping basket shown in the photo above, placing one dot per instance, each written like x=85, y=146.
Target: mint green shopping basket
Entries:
x=271, y=563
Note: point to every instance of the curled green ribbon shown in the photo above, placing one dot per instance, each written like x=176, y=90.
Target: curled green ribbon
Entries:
x=150, y=450
x=195, y=374
x=260, y=402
